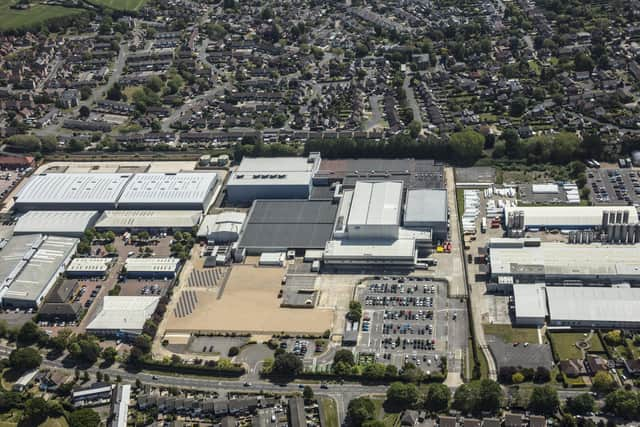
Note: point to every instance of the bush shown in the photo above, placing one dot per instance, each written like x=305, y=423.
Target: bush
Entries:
x=234, y=351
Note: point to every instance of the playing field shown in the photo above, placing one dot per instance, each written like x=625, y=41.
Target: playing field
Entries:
x=130, y=5
x=249, y=304
x=13, y=19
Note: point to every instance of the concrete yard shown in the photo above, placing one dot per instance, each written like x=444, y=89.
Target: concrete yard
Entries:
x=250, y=303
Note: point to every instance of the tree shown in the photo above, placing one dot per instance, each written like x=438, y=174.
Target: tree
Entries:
x=542, y=375
x=344, y=356
x=36, y=410
x=518, y=106
x=583, y=62
x=360, y=410
x=23, y=143
x=155, y=83
x=402, y=396
x=115, y=93
x=287, y=364
x=603, y=382
x=582, y=404
x=49, y=144
x=478, y=396
x=84, y=418
x=544, y=400
x=437, y=398
x=415, y=127
x=623, y=403
x=307, y=393
x=466, y=146
x=234, y=351
x=29, y=334
x=614, y=338
x=84, y=112
x=24, y=359
x=355, y=311
x=109, y=355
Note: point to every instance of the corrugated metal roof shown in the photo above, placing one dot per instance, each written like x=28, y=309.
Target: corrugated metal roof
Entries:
x=593, y=304
x=151, y=264
x=124, y=313
x=167, y=188
x=148, y=219
x=55, y=222
x=376, y=203
x=530, y=300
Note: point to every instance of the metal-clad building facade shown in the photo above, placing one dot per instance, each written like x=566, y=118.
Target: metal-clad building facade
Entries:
x=425, y=208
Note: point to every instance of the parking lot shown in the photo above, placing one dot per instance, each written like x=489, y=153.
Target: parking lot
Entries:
x=614, y=186
x=410, y=319
x=8, y=181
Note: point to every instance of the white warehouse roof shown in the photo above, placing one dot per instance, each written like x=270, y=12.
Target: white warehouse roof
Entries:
x=425, y=206
x=64, y=189
x=568, y=216
x=274, y=171
x=144, y=219
x=530, y=301
x=151, y=265
x=89, y=264
x=224, y=222
x=168, y=189
x=376, y=203
x=595, y=305
x=70, y=223
x=122, y=313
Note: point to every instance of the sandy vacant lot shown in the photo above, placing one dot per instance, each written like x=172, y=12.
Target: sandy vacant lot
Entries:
x=250, y=303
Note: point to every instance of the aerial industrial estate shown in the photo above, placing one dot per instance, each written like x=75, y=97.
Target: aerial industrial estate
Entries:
x=360, y=213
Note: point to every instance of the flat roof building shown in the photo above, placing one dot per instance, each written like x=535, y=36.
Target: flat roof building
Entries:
x=279, y=225
x=89, y=267
x=272, y=178
x=123, y=315
x=399, y=253
x=71, y=191
x=151, y=267
x=601, y=307
x=57, y=223
x=120, y=405
x=148, y=220
x=174, y=191
x=43, y=259
x=375, y=210
x=530, y=261
x=223, y=227
x=530, y=304
x=427, y=209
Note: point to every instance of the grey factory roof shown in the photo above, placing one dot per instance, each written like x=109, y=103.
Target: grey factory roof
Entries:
x=168, y=188
x=55, y=222
x=124, y=313
x=555, y=259
x=274, y=171
x=594, y=304
x=66, y=188
x=14, y=252
x=148, y=219
x=289, y=224
x=426, y=206
x=40, y=269
x=530, y=301
x=376, y=203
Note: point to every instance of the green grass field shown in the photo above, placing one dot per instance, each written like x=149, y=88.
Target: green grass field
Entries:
x=13, y=19
x=126, y=5
x=509, y=334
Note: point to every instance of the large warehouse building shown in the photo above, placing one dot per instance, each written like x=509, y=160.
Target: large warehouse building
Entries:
x=57, y=223
x=530, y=261
x=567, y=217
x=272, y=178
x=175, y=191
x=30, y=266
x=577, y=306
x=278, y=225
x=428, y=209
x=151, y=221
x=72, y=191
x=375, y=210
x=123, y=315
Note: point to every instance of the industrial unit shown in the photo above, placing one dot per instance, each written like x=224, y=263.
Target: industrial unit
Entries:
x=375, y=210
x=279, y=225
x=224, y=227
x=148, y=220
x=427, y=209
x=71, y=191
x=530, y=304
x=175, y=191
x=151, y=267
x=88, y=267
x=568, y=217
x=30, y=265
x=123, y=316
x=57, y=223
x=272, y=178
x=530, y=261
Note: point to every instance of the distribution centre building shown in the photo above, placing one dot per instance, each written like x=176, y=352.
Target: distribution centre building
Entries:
x=71, y=191
x=89, y=267
x=375, y=210
x=272, y=178
x=57, y=223
x=427, y=209
x=123, y=315
x=148, y=220
x=31, y=266
x=175, y=191
x=530, y=261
